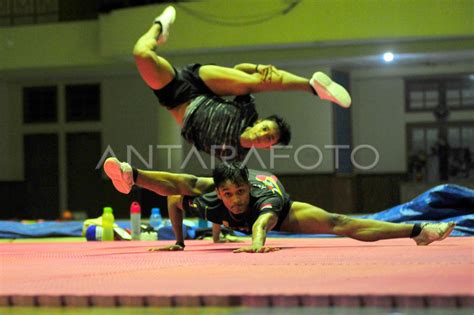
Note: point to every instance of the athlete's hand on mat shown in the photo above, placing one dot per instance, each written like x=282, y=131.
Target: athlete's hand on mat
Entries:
x=256, y=249
x=173, y=247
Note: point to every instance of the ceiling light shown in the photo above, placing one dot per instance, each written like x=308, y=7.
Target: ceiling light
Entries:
x=388, y=57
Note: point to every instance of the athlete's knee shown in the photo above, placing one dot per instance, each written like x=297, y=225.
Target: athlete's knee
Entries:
x=142, y=53
x=142, y=48
x=340, y=219
x=341, y=223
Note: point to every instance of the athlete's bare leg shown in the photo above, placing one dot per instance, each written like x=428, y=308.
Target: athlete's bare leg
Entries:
x=162, y=183
x=248, y=78
x=155, y=70
x=308, y=219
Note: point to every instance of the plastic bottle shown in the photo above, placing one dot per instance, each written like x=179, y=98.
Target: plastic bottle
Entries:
x=155, y=218
x=135, y=217
x=108, y=224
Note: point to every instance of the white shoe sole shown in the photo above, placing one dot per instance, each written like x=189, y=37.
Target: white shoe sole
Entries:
x=329, y=90
x=166, y=19
x=113, y=169
x=448, y=231
x=451, y=227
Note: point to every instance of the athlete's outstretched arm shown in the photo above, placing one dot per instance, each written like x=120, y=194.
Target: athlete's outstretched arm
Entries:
x=175, y=211
x=216, y=233
x=262, y=225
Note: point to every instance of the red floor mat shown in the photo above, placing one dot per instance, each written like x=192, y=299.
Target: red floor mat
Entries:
x=306, y=272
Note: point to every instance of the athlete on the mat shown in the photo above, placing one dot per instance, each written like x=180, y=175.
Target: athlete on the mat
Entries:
x=255, y=202
x=227, y=129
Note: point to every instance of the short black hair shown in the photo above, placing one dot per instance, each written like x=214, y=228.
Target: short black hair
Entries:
x=283, y=128
x=236, y=172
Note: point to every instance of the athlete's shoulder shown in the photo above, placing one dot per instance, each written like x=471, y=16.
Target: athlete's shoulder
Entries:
x=208, y=200
x=259, y=175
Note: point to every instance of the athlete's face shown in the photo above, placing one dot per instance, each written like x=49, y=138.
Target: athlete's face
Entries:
x=264, y=134
x=236, y=197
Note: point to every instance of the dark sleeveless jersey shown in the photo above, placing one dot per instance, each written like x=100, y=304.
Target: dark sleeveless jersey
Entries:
x=266, y=194
x=214, y=125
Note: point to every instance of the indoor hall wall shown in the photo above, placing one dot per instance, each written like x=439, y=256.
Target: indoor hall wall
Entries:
x=11, y=175
x=130, y=116
x=378, y=112
x=11, y=159
x=308, y=22
x=110, y=39
x=134, y=120
x=50, y=46
x=5, y=136
x=9, y=147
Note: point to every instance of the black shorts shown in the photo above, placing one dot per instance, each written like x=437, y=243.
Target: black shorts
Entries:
x=185, y=86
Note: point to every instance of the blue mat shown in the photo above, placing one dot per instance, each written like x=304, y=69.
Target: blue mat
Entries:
x=9, y=229
x=442, y=204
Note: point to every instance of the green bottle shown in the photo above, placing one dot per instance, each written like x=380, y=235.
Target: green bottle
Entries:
x=108, y=224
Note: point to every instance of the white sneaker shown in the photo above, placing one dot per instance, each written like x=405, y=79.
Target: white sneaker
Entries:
x=165, y=19
x=431, y=232
x=120, y=173
x=329, y=90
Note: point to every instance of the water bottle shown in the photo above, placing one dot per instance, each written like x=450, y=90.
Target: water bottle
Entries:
x=155, y=218
x=108, y=224
x=135, y=217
